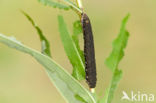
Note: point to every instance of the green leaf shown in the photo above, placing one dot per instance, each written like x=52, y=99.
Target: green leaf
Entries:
x=119, y=45
x=73, y=6
x=117, y=75
x=113, y=60
x=69, y=88
x=105, y=98
x=60, y=5
x=77, y=30
x=54, y=4
x=44, y=42
x=71, y=50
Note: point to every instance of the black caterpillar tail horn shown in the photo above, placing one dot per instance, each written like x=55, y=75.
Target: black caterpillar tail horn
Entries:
x=90, y=65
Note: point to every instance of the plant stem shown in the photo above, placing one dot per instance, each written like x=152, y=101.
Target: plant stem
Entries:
x=73, y=6
x=79, y=3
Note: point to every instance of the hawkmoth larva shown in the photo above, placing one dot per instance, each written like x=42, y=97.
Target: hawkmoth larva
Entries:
x=89, y=54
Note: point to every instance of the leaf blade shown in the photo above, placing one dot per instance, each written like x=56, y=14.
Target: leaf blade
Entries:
x=71, y=50
x=44, y=42
x=77, y=30
x=54, y=4
x=112, y=62
x=117, y=75
x=60, y=5
x=63, y=81
x=119, y=45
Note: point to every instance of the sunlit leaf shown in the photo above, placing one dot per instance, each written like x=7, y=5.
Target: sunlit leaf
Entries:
x=70, y=89
x=44, y=42
x=113, y=60
x=61, y=5
x=54, y=4
x=71, y=50
x=119, y=45
x=77, y=30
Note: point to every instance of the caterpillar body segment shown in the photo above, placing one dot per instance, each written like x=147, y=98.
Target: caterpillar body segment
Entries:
x=89, y=53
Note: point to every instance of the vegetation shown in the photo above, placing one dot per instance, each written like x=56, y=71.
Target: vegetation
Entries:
x=68, y=85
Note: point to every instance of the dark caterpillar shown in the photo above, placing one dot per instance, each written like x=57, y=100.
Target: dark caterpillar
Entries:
x=90, y=65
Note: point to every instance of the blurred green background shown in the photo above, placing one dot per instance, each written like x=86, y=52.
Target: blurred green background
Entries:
x=23, y=80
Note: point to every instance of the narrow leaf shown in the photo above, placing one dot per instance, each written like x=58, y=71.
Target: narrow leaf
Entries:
x=71, y=50
x=44, y=42
x=77, y=30
x=119, y=45
x=54, y=4
x=117, y=75
x=69, y=88
x=113, y=60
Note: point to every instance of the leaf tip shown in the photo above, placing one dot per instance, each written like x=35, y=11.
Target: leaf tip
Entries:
x=126, y=18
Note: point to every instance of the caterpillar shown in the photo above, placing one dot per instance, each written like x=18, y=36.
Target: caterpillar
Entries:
x=89, y=53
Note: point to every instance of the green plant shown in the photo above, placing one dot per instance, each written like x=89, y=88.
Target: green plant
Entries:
x=67, y=84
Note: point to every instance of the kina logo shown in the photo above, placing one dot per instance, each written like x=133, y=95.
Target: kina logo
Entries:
x=138, y=97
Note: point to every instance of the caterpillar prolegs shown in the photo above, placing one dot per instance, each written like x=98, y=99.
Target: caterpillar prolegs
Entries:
x=89, y=53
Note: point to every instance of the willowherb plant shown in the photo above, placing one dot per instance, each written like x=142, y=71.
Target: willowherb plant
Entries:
x=68, y=85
